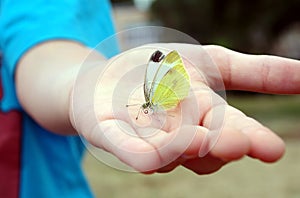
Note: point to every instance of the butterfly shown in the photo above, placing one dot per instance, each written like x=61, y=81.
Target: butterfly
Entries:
x=166, y=82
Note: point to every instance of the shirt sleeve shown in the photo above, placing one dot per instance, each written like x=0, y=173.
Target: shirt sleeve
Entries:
x=27, y=23
x=24, y=24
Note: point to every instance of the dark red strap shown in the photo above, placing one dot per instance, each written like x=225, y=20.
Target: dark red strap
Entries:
x=10, y=145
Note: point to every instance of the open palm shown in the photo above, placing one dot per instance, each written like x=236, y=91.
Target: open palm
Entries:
x=202, y=133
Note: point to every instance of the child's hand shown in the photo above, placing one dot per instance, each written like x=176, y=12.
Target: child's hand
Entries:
x=202, y=133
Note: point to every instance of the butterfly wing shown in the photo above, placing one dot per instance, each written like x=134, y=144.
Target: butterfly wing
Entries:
x=151, y=70
x=151, y=73
x=172, y=86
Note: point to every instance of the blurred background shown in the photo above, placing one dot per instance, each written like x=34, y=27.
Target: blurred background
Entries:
x=256, y=27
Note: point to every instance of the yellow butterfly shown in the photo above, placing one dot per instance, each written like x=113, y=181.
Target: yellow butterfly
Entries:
x=166, y=82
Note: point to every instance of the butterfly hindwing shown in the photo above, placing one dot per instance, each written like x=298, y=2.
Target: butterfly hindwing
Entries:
x=173, y=86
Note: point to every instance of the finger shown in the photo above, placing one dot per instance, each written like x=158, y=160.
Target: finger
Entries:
x=169, y=167
x=260, y=73
x=265, y=145
x=180, y=144
x=183, y=147
x=204, y=165
x=212, y=114
x=200, y=165
x=230, y=145
x=121, y=140
x=224, y=140
x=145, y=154
x=242, y=135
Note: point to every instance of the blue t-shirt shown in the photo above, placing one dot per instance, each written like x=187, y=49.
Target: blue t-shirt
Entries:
x=50, y=163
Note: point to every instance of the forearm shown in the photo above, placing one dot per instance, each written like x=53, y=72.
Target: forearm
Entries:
x=44, y=79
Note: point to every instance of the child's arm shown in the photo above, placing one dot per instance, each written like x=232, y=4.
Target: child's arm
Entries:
x=44, y=79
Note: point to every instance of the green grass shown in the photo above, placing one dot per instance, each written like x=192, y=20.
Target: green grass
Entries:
x=245, y=178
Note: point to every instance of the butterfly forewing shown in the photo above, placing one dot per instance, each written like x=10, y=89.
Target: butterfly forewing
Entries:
x=151, y=70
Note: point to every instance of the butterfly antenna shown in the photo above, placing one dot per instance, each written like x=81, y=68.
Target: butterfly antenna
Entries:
x=129, y=105
x=137, y=116
x=140, y=109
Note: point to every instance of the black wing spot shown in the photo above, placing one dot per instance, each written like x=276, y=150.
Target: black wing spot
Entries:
x=157, y=56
